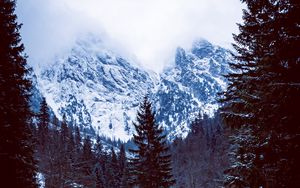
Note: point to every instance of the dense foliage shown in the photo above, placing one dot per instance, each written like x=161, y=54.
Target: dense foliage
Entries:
x=259, y=110
x=263, y=97
x=200, y=159
x=66, y=158
x=16, y=148
x=150, y=166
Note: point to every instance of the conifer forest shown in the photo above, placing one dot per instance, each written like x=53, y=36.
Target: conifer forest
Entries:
x=216, y=117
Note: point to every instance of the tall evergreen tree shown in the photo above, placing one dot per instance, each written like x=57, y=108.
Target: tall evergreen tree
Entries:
x=86, y=163
x=122, y=157
x=77, y=140
x=262, y=96
x=151, y=164
x=98, y=173
x=44, y=139
x=43, y=125
x=16, y=151
x=98, y=149
x=98, y=170
x=200, y=159
x=65, y=161
x=114, y=170
x=123, y=166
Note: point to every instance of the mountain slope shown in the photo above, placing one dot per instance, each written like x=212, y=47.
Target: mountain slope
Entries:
x=95, y=88
x=191, y=86
x=100, y=91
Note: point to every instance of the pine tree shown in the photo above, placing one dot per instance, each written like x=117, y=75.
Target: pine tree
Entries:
x=114, y=170
x=98, y=164
x=18, y=168
x=77, y=139
x=43, y=125
x=75, y=154
x=64, y=132
x=86, y=163
x=263, y=94
x=52, y=161
x=124, y=175
x=98, y=176
x=104, y=171
x=72, y=156
x=44, y=140
x=151, y=164
x=65, y=144
x=122, y=158
x=198, y=159
x=98, y=149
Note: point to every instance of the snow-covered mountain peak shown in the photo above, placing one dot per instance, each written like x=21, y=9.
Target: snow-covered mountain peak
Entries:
x=180, y=56
x=100, y=90
x=96, y=88
x=191, y=86
x=202, y=43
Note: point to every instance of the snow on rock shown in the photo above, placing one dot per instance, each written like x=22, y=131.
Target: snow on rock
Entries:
x=100, y=91
x=40, y=180
x=96, y=88
x=191, y=86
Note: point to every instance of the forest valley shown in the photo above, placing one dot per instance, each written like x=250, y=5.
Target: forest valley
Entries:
x=69, y=159
x=252, y=141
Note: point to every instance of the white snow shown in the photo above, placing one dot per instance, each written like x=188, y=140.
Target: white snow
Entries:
x=110, y=90
x=41, y=180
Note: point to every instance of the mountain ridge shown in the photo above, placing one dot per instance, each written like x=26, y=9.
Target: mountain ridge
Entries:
x=98, y=89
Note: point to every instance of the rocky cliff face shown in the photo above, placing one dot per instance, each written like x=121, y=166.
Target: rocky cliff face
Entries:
x=100, y=91
x=191, y=86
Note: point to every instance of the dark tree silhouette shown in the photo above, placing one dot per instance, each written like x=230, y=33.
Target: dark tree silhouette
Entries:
x=18, y=168
x=123, y=168
x=263, y=96
x=114, y=170
x=151, y=164
x=86, y=163
x=43, y=125
x=200, y=159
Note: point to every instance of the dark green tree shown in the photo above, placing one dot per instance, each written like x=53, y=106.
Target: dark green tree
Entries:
x=77, y=140
x=18, y=167
x=114, y=170
x=43, y=125
x=44, y=136
x=99, y=163
x=151, y=164
x=98, y=174
x=98, y=149
x=64, y=132
x=75, y=148
x=86, y=164
x=52, y=162
x=65, y=146
x=262, y=97
x=201, y=157
x=123, y=166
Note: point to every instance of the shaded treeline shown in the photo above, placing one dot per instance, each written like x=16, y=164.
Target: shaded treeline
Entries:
x=200, y=159
x=66, y=158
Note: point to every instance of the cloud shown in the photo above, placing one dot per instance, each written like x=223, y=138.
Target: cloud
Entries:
x=149, y=29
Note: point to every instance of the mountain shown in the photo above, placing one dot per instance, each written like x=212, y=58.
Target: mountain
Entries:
x=95, y=87
x=100, y=91
x=190, y=86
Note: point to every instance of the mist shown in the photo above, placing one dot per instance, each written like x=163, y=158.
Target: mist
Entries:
x=148, y=31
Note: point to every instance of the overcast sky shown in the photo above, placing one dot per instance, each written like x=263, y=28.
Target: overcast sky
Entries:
x=149, y=30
